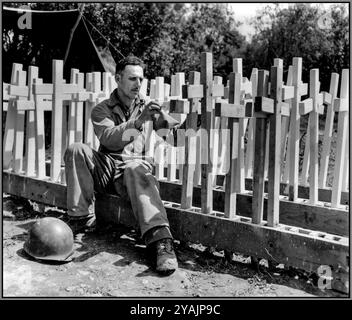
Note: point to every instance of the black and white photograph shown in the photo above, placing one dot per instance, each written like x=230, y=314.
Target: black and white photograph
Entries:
x=175, y=150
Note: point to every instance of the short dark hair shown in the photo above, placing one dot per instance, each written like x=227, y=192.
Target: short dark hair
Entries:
x=129, y=60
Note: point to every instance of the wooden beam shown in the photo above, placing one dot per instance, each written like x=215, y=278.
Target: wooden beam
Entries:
x=341, y=140
x=259, y=157
x=329, y=122
x=274, y=147
x=297, y=247
x=297, y=214
x=206, y=79
x=190, y=147
x=294, y=128
x=314, y=137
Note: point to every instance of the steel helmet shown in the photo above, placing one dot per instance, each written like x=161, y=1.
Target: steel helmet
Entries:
x=49, y=239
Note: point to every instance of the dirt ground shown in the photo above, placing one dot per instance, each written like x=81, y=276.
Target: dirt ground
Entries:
x=113, y=263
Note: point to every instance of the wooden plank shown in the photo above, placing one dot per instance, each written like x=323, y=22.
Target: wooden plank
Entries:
x=341, y=141
x=10, y=124
x=144, y=87
x=242, y=124
x=306, y=155
x=259, y=157
x=346, y=177
x=79, y=110
x=294, y=129
x=230, y=178
x=216, y=152
x=314, y=137
x=296, y=247
x=98, y=97
x=285, y=129
x=40, y=107
x=298, y=214
x=329, y=122
x=88, y=126
x=19, y=131
x=159, y=150
x=60, y=93
x=33, y=73
x=72, y=111
x=251, y=125
x=190, y=147
x=274, y=148
x=206, y=79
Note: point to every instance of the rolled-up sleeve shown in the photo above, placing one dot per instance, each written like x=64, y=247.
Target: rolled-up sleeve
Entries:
x=110, y=135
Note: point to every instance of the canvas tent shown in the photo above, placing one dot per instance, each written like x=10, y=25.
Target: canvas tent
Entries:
x=53, y=35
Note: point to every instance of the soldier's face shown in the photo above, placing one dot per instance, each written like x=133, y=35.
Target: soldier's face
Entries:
x=129, y=81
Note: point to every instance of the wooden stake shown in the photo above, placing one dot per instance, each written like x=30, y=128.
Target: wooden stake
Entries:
x=341, y=105
x=60, y=92
x=274, y=146
x=300, y=89
x=259, y=146
x=329, y=123
x=10, y=125
x=206, y=80
x=190, y=147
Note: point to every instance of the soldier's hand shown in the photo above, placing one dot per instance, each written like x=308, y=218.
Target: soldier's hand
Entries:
x=149, y=110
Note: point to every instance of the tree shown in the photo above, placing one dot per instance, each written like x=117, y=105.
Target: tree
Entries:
x=299, y=31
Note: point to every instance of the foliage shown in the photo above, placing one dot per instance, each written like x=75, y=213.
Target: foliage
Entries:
x=169, y=37
x=298, y=31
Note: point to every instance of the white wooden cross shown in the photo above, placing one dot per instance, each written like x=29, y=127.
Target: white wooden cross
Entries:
x=314, y=106
x=300, y=90
x=341, y=105
x=329, y=100
x=60, y=91
x=234, y=110
x=189, y=107
x=14, y=127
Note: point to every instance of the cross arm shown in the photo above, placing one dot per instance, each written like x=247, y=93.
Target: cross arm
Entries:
x=341, y=104
x=287, y=92
x=24, y=105
x=230, y=110
x=19, y=91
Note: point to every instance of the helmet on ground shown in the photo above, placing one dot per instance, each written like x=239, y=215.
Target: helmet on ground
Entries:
x=49, y=239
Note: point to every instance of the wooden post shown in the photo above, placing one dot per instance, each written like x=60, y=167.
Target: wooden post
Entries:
x=276, y=94
x=11, y=118
x=160, y=146
x=251, y=126
x=216, y=152
x=60, y=91
x=233, y=110
x=310, y=106
x=88, y=126
x=191, y=108
x=317, y=100
x=177, y=81
x=206, y=79
x=79, y=110
x=300, y=89
x=21, y=92
x=329, y=123
x=341, y=105
x=285, y=146
x=72, y=110
x=259, y=147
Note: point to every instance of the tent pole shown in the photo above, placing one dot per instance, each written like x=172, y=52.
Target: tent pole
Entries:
x=73, y=31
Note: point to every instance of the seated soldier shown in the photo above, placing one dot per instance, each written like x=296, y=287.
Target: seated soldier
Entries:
x=121, y=164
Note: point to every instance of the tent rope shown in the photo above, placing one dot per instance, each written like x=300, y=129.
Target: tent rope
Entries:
x=36, y=11
x=106, y=39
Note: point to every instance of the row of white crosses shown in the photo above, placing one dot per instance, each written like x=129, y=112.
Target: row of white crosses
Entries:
x=35, y=98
